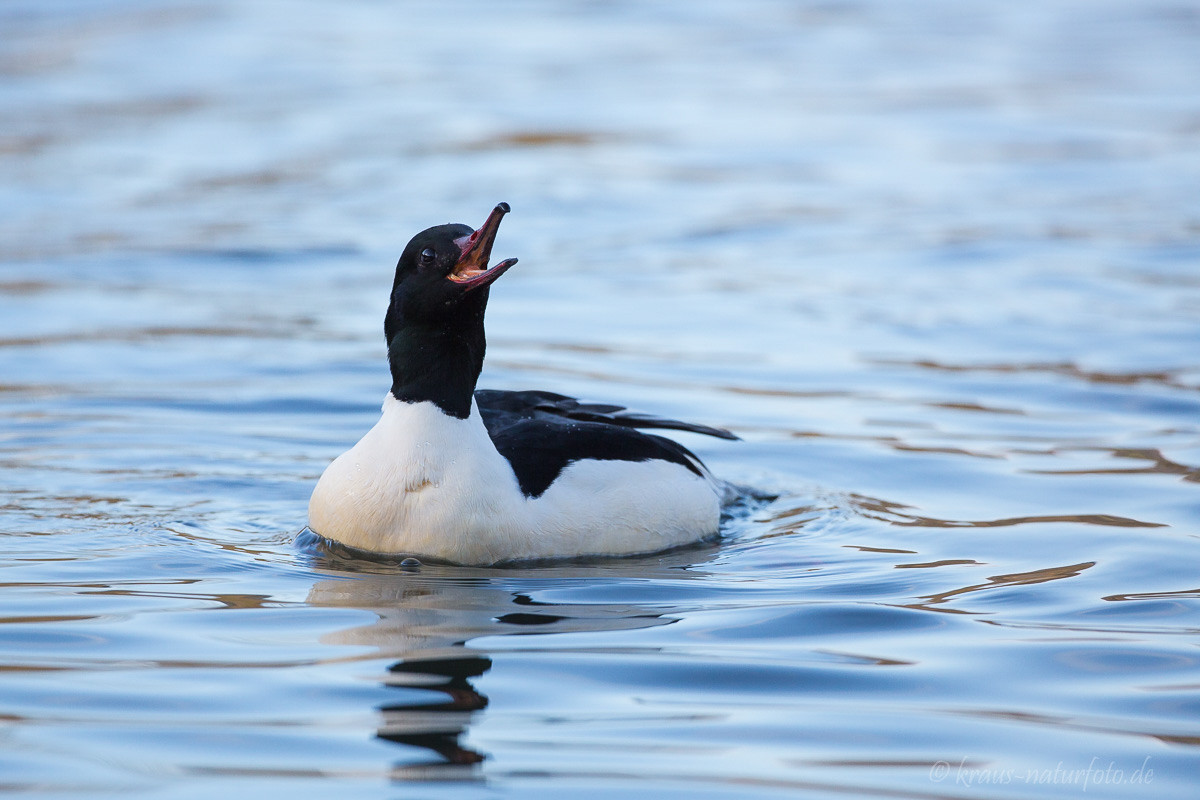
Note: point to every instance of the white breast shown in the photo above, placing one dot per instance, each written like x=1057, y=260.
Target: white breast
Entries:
x=424, y=483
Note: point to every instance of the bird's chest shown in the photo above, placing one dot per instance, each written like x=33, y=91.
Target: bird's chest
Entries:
x=417, y=476
x=427, y=460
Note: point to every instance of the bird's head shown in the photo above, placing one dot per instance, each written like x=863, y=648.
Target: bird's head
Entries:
x=443, y=271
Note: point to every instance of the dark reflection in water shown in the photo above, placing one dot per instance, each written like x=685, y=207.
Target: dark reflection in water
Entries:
x=435, y=726
x=425, y=625
x=998, y=582
x=1168, y=378
x=898, y=514
x=1158, y=463
x=428, y=622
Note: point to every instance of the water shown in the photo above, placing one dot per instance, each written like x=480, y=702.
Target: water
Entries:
x=935, y=262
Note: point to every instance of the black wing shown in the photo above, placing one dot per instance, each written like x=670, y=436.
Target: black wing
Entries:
x=540, y=433
x=538, y=404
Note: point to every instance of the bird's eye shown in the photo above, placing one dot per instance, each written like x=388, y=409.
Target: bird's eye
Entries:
x=427, y=255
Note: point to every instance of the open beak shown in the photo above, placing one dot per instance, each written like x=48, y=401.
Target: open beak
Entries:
x=471, y=271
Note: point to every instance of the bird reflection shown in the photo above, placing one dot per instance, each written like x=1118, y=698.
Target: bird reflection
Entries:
x=425, y=621
x=436, y=726
x=424, y=624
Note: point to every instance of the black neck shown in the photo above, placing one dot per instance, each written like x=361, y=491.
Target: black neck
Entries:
x=437, y=361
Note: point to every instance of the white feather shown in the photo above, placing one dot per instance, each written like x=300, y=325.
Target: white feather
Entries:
x=424, y=483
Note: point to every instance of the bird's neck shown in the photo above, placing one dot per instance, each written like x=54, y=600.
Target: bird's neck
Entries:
x=437, y=364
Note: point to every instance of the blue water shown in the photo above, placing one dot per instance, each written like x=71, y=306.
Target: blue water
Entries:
x=937, y=263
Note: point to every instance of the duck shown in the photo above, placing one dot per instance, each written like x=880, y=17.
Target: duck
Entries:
x=479, y=477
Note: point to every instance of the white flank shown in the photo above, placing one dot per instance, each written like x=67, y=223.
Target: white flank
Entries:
x=424, y=483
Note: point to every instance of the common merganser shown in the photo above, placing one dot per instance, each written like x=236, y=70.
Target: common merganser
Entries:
x=483, y=477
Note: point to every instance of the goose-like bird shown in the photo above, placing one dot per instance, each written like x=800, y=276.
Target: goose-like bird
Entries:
x=483, y=477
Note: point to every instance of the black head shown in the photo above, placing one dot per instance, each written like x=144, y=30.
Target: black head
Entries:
x=446, y=267
x=434, y=325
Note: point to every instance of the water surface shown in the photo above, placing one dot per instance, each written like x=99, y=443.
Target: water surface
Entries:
x=937, y=265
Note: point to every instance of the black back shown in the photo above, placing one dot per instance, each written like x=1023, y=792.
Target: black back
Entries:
x=540, y=433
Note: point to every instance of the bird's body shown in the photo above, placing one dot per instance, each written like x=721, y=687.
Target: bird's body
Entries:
x=422, y=482
x=486, y=477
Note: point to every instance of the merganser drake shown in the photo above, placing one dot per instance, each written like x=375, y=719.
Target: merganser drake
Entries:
x=483, y=477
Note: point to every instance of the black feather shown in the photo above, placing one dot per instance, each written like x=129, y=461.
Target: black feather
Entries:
x=540, y=433
x=529, y=403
